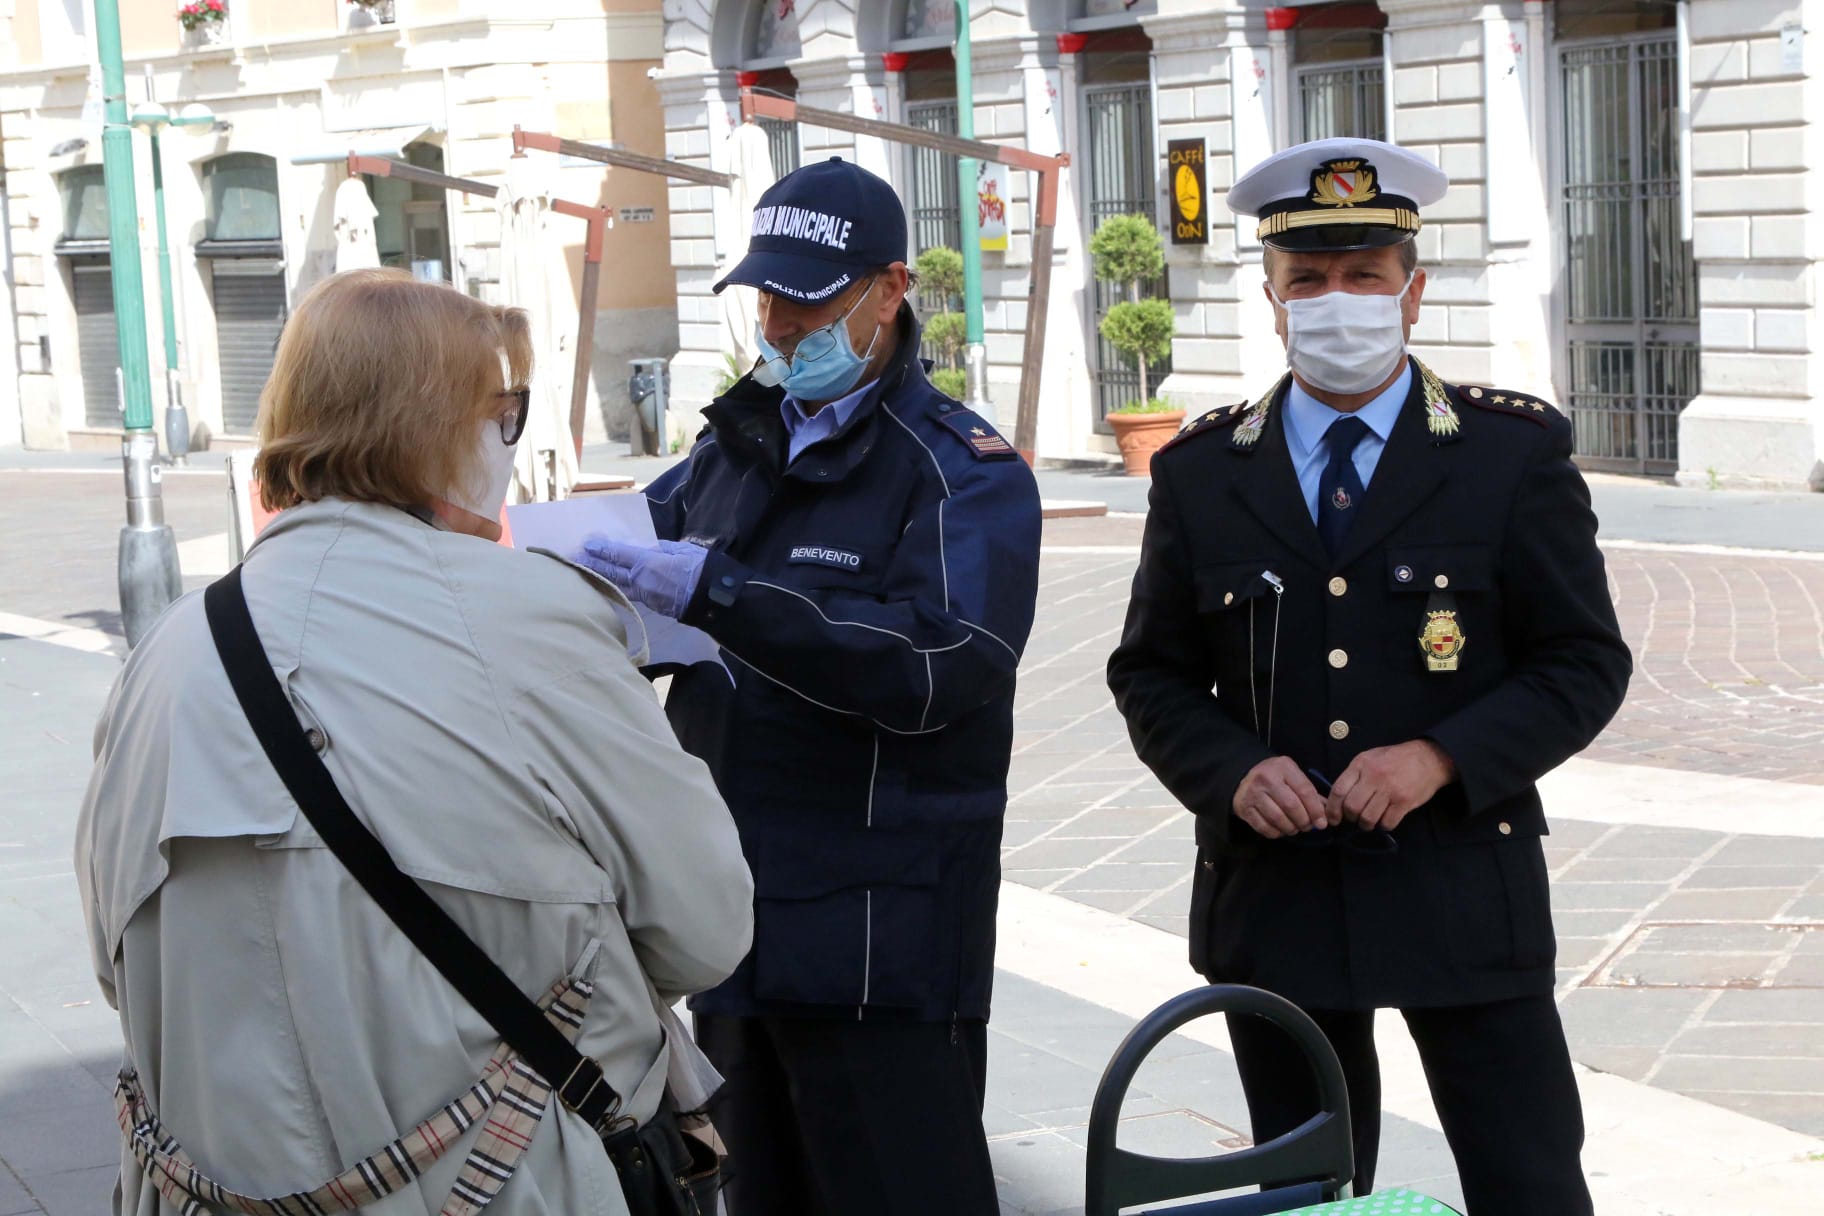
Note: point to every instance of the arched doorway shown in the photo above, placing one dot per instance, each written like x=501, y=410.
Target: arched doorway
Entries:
x=246, y=260
x=767, y=41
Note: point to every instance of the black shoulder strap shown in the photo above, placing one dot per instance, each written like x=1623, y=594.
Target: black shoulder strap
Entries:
x=577, y=1079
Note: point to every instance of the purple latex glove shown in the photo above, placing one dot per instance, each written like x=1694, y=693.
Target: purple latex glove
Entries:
x=663, y=577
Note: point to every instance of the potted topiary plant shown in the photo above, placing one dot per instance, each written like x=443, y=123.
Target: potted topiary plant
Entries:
x=940, y=282
x=1126, y=250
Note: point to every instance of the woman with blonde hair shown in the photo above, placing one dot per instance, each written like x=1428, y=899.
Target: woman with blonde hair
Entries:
x=478, y=712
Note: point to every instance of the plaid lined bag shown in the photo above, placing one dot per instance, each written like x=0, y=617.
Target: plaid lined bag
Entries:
x=509, y=1100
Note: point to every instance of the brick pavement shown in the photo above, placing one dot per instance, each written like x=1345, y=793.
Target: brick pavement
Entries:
x=1691, y=960
x=59, y=537
x=1729, y=664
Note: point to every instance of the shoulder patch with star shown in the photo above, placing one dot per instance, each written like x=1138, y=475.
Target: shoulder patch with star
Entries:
x=982, y=440
x=1500, y=401
x=1220, y=418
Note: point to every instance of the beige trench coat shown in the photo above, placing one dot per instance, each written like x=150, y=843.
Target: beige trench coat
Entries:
x=478, y=709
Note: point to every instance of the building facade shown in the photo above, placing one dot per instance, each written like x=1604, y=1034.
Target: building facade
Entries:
x=295, y=86
x=1627, y=233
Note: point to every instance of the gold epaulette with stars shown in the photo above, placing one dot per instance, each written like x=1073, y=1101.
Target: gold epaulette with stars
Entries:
x=1214, y=420
x=1500, y=401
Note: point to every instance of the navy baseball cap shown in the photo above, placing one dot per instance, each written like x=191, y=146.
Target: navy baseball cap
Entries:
x=819, y=229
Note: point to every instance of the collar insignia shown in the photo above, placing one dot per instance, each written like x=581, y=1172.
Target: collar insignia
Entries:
x=1440, y=414
x=1249, y=429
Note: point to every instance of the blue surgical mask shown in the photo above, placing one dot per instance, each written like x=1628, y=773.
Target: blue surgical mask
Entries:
x=823, y=366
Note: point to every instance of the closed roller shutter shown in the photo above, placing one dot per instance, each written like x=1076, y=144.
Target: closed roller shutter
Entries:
x=97, y=342
x=249, y=312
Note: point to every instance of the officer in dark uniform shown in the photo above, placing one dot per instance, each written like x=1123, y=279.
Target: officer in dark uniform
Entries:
x=865, y=550
x=1369, y=614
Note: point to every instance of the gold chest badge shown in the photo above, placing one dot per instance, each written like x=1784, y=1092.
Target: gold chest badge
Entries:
x=1441, y=640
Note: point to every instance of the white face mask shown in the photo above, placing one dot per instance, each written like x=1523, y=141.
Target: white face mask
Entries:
x=494, y=470
x=1345, y=343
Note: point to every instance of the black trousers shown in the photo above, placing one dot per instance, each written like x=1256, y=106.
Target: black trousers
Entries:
x=1500, y=1077
x=829, y=1117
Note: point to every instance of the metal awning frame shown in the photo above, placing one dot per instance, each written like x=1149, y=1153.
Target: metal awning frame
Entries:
x=598, y=219
x=757, y=104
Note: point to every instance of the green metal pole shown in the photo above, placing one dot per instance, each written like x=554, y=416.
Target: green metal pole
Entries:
x=975, y=354
x=164, y=252
x=177, y=419
x=148, y=570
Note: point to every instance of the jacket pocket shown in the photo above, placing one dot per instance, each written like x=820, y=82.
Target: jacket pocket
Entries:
x=1236, y=601
x=850, y=922
x=1457, y=583
x=1494, y=890
x=1221, y=589
x=1427, y=568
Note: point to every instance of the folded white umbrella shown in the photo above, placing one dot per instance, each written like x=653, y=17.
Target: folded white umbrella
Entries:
x=750, y=161
x=356, y=248
x=546, y=465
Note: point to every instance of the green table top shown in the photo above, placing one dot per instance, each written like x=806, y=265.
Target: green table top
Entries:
x=1381, y=1203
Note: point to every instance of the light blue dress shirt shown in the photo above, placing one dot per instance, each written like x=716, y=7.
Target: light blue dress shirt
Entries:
x=804, y=429
x=1308, y=420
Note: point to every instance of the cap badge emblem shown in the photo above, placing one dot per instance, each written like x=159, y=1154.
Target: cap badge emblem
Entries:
x=1343, y=183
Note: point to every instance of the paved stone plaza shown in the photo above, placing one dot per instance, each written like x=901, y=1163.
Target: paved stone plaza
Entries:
x=1687, y=853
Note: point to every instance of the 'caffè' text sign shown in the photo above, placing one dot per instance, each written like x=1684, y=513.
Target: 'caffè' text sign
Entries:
x=1190, y=194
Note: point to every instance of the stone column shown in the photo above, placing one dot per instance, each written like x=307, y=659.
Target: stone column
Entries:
x=1215, y=81
x=1461, y=98
x=701, y=109
x=1755, y=153
x=1048, y=76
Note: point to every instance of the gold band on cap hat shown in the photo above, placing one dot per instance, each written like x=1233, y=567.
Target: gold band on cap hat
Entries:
x=1385, y=217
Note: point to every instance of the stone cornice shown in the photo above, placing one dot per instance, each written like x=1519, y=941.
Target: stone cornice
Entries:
x=1205, y=31
x=685, y=88
x=1408, y=14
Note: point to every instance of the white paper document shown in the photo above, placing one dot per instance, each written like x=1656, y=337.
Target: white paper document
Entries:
x=560, y=528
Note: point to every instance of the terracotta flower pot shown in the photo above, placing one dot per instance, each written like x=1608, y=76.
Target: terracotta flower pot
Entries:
x=1140, y=435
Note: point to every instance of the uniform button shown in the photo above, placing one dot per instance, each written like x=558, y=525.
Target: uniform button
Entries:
x=1476, y=393
x=1506, y=829
x=1402, y=574
x=1339, y=586
x=1441, y=582
x=1209, y=865
x=1339, y=729
x=1339, y=658
x=728, y=580
x=1228, y=598
x=315, y=738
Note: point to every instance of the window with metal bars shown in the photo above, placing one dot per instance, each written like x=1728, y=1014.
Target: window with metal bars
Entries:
x=1630, y=281
x=1338, y=73
x=1122, y=176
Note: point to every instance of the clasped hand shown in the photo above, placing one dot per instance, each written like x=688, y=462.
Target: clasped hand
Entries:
x=1379, y=789
x=662, y=576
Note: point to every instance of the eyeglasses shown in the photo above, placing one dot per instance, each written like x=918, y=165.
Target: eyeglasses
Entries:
x=820, y=342
x=513, y=423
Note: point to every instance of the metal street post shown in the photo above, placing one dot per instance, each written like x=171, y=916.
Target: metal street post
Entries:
x=975, y=353
x=153, y=117
x=148, y=571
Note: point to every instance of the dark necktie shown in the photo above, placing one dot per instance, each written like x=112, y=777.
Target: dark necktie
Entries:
x=1339, y=491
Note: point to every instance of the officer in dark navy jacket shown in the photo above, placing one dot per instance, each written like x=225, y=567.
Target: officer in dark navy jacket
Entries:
x=1369, y=614
x=865, y=550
